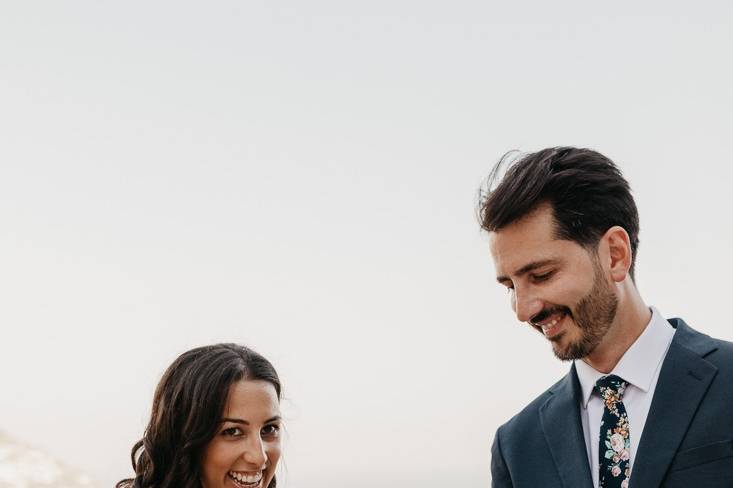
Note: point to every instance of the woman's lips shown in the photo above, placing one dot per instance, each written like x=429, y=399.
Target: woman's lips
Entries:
x=246, y=480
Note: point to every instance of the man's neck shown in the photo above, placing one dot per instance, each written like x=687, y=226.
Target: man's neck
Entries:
x=632, y=318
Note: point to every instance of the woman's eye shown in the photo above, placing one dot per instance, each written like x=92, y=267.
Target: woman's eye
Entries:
x=270, y=430
x=232, y=432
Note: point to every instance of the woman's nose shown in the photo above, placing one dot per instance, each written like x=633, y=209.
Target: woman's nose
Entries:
x=255, y=453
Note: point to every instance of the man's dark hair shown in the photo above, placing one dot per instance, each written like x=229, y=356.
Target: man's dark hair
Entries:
x=586, y=190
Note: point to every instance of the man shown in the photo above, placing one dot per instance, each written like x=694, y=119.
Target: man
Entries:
x=647, y=402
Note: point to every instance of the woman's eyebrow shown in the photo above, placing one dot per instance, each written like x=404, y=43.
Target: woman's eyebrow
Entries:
x=244, y=422
x=234, y=421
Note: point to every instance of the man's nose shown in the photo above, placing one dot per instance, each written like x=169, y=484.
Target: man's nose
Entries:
x=526, y=304
x=255, y=453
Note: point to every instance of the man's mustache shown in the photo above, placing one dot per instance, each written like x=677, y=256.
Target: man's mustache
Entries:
x=546, y=312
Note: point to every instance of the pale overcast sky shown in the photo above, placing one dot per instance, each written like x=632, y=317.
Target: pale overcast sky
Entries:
x=301, y=177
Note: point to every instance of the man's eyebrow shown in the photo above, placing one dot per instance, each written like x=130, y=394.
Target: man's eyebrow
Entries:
x=527, y=268
x=244, y=422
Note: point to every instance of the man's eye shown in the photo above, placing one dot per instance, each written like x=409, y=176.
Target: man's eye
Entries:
x=232, y=432
x=542, y=277
x=271, y=430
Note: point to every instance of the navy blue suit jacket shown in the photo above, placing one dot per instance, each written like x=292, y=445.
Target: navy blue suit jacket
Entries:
x=687, y=439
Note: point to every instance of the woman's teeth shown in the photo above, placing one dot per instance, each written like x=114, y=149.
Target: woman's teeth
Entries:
x=246, y=479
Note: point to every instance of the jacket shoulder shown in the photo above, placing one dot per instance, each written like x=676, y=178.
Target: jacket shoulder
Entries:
x=527, y=418
x=721, y=356
x=717, y=351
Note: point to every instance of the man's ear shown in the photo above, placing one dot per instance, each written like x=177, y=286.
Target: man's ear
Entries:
x=617, y=241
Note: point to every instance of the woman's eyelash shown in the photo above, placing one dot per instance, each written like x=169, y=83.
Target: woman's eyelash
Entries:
x=269, y=429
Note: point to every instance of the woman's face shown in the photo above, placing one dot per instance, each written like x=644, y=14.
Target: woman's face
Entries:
x=246, y=448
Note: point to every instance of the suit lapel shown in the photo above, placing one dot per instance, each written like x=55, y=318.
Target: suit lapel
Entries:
x=683, y=381
x=560, y=421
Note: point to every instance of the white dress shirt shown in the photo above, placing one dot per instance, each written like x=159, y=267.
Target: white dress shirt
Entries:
x=639, y=367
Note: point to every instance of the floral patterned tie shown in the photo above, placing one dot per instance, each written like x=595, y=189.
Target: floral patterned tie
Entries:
x=613, y=452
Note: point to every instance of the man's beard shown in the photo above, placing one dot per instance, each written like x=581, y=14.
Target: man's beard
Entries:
x=593, y=315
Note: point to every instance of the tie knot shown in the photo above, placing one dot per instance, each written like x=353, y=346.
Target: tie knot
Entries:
x=611, y=386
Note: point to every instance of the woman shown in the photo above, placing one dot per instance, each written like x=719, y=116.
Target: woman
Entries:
x=215, y=423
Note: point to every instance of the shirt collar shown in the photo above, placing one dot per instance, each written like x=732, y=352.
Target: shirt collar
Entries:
x=639, y=363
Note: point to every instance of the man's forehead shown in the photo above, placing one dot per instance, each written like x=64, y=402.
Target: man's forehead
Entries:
x=511, y=259
x=514, y=242
x=529, y=238
x=511, y=255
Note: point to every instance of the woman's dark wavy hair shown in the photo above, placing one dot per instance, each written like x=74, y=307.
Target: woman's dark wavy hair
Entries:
x=586, y=190
x=187, y=408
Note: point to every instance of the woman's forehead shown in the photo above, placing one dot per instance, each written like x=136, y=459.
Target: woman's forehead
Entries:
x=252, y=400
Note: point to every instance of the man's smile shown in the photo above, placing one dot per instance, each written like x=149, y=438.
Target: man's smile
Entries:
x=550, y=322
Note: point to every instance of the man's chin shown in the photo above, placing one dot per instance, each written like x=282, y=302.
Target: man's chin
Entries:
x=567, y=350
